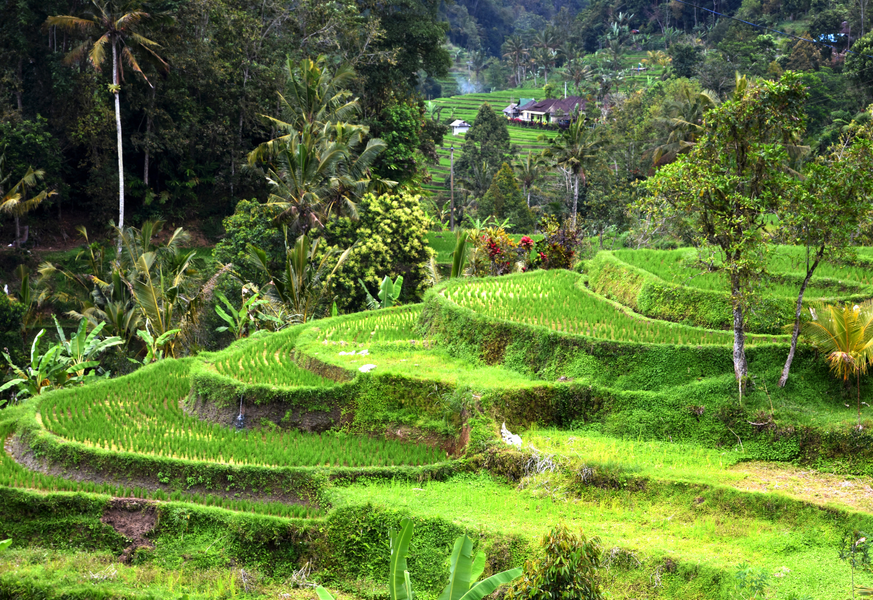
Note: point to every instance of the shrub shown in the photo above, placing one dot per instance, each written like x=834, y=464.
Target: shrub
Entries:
x=391, y=236
x=251, y=223
x=566, y=569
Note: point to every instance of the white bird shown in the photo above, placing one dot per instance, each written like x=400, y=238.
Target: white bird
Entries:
x=509, y=437
x=366, y=368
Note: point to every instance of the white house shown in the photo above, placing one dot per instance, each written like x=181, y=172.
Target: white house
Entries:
x=459, y=127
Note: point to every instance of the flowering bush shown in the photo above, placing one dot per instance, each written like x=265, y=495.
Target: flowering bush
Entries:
x=504, y=254
x=557, y=249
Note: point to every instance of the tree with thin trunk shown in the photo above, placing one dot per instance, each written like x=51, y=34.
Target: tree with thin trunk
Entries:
x=830, y=210
x=15, y=201
x=576, y=149
x=529, y=171
x=731, y=183
x=115, y=23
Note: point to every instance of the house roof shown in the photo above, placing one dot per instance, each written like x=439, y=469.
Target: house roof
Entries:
x=459, y=123
x=566, y=105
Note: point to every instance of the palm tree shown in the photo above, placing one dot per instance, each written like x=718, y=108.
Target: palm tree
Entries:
x=115, y=22
x=682, y=122
x=15, y=202
x=514, y=50
x=314, y=166
x=578, y=71
x=575, y=149
x=314, y=96
x=544, y=58
x=479, y=61
x=845, y=334
x=529, y=171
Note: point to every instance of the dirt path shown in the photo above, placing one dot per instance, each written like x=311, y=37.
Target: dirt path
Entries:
x=806, y=484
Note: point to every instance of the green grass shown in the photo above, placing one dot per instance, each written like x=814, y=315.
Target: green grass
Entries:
x=712, y=529
x=556, y=300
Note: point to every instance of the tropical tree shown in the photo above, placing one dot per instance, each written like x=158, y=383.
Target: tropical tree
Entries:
x=116, y=23
x=845, y=335
x=15, y=201
x=528, y=172
x=317, y=167
x=149, y=287
x=314, y=96
x=832, y=206
x=515, y=51
x=302, y=284
x=479, y=61
x=730, y=183
x=576, y=149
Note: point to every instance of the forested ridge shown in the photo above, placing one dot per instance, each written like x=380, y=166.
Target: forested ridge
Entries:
x=189, y=122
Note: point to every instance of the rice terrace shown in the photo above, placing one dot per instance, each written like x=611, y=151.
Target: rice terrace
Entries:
x=281, y=450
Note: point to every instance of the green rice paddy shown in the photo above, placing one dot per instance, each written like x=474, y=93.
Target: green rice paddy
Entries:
x=557, y=300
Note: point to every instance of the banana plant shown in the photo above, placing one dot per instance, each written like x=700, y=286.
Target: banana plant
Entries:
x=45, y=371
x=156, y=345
x=83, y=348
x=238, y=320
x=389, y=293
x=464, y=570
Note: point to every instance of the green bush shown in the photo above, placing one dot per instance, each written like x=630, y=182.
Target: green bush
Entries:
x=391, y=236
x=11, y=313
x=251, y=223
x=566, y=570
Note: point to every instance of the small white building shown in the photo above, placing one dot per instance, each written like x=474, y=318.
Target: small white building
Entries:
x=459, y=127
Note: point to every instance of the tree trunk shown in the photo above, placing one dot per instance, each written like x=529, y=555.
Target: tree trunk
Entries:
x=798, y=309
x=120, y=158
x=575, y=199
x=17, y=232
x=741, y=367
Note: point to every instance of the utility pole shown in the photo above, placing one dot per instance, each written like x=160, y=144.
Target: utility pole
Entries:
x=452, y=175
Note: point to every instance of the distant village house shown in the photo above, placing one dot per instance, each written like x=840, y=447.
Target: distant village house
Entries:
x=459, y=127
x=559, y=111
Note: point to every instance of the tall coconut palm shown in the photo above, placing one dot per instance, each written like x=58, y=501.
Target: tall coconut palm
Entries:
x=845, y=335
x=479, y=61
x=116, y=23
x=314, y=96
x=576, y=149
x=515, y=51
x=529, y=171
x=15, y=201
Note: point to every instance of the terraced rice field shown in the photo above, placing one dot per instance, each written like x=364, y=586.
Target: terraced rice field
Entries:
x=390, y=325
x=14, y=475
x=558, y=301
x=268, y=360
x=142, y=414
x=682, y=266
